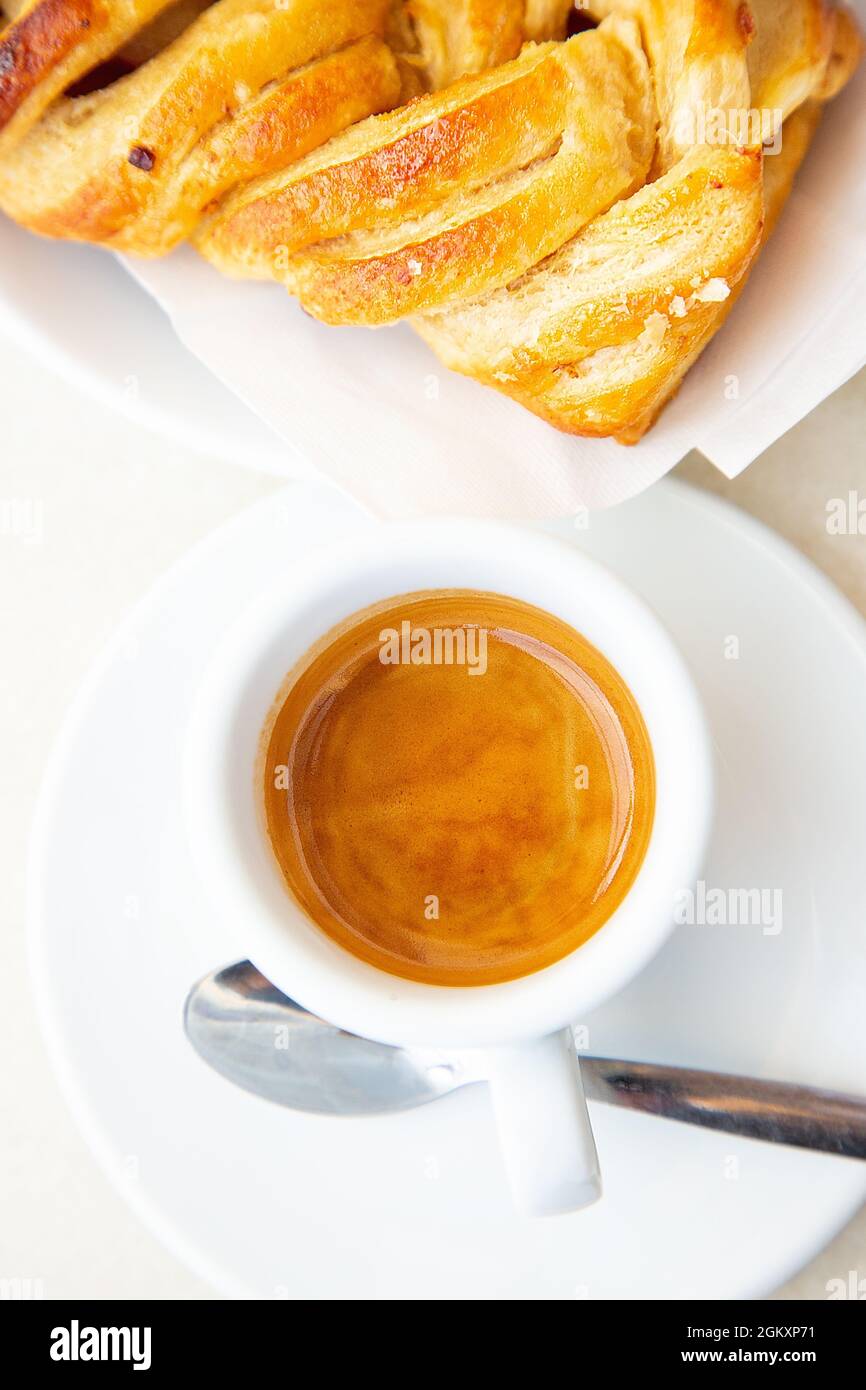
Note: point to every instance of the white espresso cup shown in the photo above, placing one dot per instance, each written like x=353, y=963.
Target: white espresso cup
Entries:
x=521, y=1026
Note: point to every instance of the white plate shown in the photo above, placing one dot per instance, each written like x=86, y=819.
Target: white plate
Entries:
x=263, y=1201
x=77, y=310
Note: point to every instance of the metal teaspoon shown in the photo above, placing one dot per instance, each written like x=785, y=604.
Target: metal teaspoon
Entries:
x=249, y=1032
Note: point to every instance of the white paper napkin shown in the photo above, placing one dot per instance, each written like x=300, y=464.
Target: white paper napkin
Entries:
x=377, y=414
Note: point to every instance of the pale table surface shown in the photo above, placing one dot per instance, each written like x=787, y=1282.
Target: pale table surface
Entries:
x=119, y=506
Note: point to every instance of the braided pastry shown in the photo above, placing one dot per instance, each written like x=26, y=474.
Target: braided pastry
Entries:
x=598, y=338
x=457, y=193
x=568, y=220
x=249, y=86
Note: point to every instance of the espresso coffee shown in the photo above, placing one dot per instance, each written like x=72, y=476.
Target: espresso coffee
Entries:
x=458, y=787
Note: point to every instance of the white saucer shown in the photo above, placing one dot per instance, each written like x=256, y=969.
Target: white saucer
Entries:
x=263, y=1201
x=79, y=312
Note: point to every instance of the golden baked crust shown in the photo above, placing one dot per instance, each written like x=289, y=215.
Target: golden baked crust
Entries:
x=567, y=220
x=248, y=86
x=445, y=41
x=439, y=41
x=789, y=52
x=697, y=51
x=845, y=55
x=456, y=194
x=599, y=337
x=51, y=44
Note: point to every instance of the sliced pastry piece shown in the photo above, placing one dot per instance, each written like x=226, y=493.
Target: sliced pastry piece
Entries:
x=598, y=338
x=455, y=194
x=697, y=52
x=248, y=87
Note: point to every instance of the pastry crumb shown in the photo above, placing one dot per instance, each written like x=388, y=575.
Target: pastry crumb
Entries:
x=715, y=291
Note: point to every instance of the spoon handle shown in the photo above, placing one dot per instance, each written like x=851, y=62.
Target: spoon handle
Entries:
x=771, y=1110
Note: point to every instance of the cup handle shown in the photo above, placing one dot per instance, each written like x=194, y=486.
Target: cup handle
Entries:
x=544, y=1129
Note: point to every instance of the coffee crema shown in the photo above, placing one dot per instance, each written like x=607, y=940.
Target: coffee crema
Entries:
x=452, y=824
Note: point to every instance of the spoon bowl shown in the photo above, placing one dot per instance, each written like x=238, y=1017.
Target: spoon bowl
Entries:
x=263, y=1041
